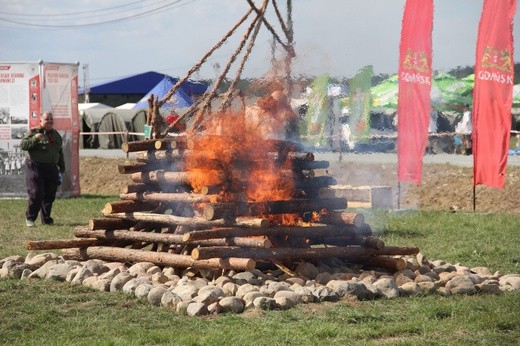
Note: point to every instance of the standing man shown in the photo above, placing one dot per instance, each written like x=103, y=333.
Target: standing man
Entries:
x=42, y=169
x=464, y=128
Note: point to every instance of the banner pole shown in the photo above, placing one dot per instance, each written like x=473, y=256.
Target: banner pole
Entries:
x=398, y=195
x=474, y=199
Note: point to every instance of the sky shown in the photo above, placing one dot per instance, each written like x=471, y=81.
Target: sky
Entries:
x=117, y=38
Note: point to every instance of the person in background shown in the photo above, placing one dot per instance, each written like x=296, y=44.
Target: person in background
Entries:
x=43, y=168
x=464, y=129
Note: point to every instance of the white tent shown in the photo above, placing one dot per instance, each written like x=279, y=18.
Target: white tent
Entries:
x=93, y=105
x=106, y=126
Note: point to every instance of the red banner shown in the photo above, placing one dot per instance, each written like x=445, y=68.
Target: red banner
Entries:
x=493, y=93
x=413, y=104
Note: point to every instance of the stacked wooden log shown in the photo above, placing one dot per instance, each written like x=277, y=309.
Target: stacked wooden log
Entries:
x=161, y=219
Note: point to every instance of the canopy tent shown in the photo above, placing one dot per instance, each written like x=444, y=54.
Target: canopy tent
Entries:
x=384, y=95
x=92, y=105
x=140, y=84
x=448, y=92
x=180, y=98
x=97, y=121
x=451, y=93
x=134, y=122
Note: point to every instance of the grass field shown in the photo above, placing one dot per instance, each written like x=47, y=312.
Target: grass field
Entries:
x=50, y=313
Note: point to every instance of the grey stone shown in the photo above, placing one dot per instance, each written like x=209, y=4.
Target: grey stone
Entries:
x=232, y=304
x=132, y=284
x=111, y=274
x=488, y=288
x=246, y=277
x=155, y=295
x=96, y=267
x=119, y=281
x=153, y=270
x=81, y=275
x=265, y=303
x=170, y=300
x=59, y=272
x=159, y=278
x=70, y=275
x=305, y=293
x=409, y=289
x=324, y=294
x=40, y=259
x=208, y=296
x=387, y=287
x=251, y=296
x=461, y=285
x=307, y=270
x=41, y=273
x=323, y=278
x=481, y=270
x=186, y=292
x=141, y=291
x=445, y=268
x=197, y=309
x=25, y=274
x=102, y=285
x=222, y=280
x=182, y=308
x=244, y=289
x=426, y=287
x=510, y=282
x=140, y=268
x=295, y=298
x=296, y=280
x=230, y=288
x=278, y=286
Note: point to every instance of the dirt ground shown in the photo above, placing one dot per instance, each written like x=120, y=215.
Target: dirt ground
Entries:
x=444, y=187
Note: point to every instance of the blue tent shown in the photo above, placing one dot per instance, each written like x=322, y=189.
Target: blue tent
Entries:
x=180, y=98
x=141, y=84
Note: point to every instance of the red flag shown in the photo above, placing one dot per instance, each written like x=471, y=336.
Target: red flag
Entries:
x=413, y=104
x=493, y=93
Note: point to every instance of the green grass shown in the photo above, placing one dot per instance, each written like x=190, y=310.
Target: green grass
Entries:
x=50, y=313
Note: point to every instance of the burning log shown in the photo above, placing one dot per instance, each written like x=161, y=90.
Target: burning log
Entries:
x=297, y=205
x=283, y=231
x=174, y=178
x=336, y=218
x=169, y=143
x=195, y=222
x=169, y=238
x=64, y=243
x=144, y=145
x=165, y=156
x=128, y=206
x=167, y=197
x=153, y=187
x=158, y=258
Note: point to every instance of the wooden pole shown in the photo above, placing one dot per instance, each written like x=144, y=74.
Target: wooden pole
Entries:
x=63, y=243
x=195, y=222
x=158, y=258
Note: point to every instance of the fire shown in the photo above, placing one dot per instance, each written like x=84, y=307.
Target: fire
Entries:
x=234, y=154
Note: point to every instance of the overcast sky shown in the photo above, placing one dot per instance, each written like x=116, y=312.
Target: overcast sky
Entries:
x=117, y=38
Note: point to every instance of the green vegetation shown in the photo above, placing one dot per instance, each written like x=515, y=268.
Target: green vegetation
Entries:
x=41, y=312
